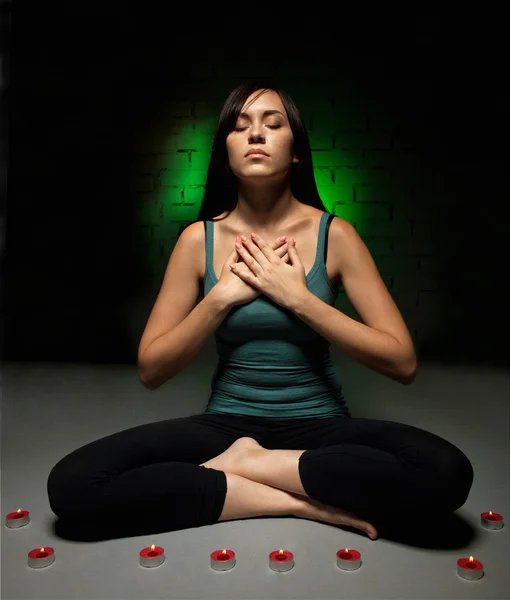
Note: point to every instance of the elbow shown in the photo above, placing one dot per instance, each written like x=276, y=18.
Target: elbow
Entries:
x=143, y=377
x=407, y=379
x=151, y=383
x=407, y=371
x=147, y=384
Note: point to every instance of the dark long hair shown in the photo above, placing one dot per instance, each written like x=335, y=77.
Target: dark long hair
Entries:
x=221, y=186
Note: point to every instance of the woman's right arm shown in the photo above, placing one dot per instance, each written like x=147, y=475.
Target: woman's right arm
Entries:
x=178, y=327
x=169, y=354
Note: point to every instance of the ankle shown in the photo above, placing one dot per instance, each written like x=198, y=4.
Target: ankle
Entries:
x=246, y=499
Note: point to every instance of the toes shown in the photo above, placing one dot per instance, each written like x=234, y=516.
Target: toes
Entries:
x=367, y=528
x=251, y=441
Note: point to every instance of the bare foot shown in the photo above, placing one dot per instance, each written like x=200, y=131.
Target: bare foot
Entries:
x=230, y=459
x=315, y=511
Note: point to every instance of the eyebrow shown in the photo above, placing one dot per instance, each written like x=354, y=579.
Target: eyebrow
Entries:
x=266, y=112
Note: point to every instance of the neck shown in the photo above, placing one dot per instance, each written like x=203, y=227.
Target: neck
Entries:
x=264, y=209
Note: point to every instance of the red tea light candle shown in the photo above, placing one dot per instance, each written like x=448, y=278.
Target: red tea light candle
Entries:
x=491, y=520
x=20, y=518
x=223, y=560
x=348, y=559
x=152, y=557
x=41, y=557
x=281, y=560
x=469, y=568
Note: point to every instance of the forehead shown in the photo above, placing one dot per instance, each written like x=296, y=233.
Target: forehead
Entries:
x=265, y=101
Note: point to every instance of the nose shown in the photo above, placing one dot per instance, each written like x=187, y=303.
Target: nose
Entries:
x=256, y=133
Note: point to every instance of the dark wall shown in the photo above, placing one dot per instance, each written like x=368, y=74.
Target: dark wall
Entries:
x=76, y=286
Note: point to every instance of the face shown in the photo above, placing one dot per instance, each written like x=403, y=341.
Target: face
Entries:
x=258, y=129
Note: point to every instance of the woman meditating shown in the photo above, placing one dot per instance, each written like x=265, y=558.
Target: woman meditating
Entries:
x=276, y=437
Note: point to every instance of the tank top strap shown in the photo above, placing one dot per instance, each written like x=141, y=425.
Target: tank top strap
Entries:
x=322, y=244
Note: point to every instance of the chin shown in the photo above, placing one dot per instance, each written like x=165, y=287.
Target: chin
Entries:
x=258, y=174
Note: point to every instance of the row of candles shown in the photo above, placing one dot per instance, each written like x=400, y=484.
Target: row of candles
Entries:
x=281, y=560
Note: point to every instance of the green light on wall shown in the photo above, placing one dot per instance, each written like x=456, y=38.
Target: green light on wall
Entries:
x=184, y=151
x=183, y=172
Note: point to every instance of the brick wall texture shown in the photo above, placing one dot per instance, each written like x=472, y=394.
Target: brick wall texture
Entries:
x=109, y=157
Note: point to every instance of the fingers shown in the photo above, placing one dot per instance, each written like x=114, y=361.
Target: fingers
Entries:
x=278, y=244
x=283, y=254
x=234, y=257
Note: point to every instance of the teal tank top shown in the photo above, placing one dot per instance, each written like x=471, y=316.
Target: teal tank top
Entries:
x=270, y=363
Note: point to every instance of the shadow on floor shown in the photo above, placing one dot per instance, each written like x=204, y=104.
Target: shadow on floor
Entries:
x=442, y=533
x=101, y=531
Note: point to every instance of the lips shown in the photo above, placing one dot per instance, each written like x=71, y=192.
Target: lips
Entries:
x=254, y=151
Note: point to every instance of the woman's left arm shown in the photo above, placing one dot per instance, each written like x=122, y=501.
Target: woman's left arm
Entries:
x=382, y=342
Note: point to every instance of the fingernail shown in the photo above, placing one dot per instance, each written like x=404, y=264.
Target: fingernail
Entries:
x=243, y=237
x=282, y=239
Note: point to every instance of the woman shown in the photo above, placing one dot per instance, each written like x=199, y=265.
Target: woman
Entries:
x=276, y=437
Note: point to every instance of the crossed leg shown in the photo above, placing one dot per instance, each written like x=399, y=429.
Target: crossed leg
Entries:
x=276, y=472
x=247, y=458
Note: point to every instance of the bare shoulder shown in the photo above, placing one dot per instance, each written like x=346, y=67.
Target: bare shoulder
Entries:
x=345, y=241
x=342, y=229
x=195, y=241
x=341, y=236
x=195, y=232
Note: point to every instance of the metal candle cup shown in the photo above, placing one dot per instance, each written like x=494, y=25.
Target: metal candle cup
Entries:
x=17, y=519
x=348, y=559
x=469, y=568
x=281, y=561
x=152, y=557
x=223, y=560
x=491, y=520
x=41, y=557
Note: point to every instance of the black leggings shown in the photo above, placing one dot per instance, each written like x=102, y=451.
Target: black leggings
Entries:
x=147, y=478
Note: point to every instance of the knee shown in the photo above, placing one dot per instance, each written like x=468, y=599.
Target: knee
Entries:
x=456, y=474
x=62, y=490
x=56, y=490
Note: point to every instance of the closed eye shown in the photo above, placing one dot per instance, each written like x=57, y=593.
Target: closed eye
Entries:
x=270, y=127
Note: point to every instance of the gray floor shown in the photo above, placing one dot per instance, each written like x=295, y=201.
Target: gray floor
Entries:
x=49, y=410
